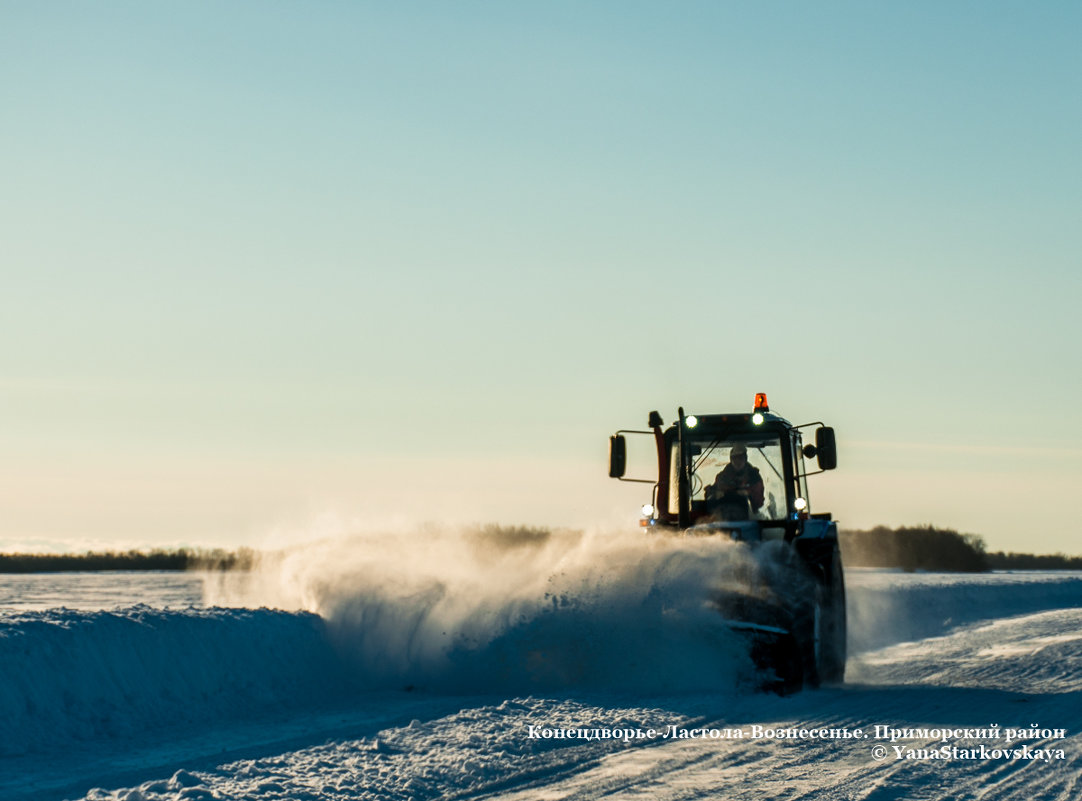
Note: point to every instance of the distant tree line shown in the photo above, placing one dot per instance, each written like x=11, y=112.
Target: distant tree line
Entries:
x=1028, y=561
x=916, y=548
x=939, y=549
x=176, y=559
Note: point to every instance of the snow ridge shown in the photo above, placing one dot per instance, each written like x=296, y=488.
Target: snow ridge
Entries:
x=81, y=676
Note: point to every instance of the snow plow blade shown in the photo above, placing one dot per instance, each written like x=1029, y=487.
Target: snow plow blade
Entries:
x=768, y=630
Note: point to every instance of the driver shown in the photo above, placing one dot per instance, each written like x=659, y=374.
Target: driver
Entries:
x=738, y=477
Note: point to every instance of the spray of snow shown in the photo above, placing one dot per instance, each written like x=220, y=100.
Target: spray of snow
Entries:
x=482, y=609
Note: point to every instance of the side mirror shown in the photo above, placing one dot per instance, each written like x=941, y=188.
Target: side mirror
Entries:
x=617, y=456
x=825, y=448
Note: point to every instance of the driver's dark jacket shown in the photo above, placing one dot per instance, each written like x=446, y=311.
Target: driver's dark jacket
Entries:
x=730, y=479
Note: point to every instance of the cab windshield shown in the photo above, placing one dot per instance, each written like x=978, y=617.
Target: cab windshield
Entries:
x=733, y=478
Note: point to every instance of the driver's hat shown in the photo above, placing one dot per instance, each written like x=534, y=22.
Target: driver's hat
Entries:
x=738, y=450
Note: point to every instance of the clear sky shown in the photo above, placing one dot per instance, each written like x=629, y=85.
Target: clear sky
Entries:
x=271, y=267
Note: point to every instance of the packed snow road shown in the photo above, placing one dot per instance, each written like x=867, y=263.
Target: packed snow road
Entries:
x=967, y=687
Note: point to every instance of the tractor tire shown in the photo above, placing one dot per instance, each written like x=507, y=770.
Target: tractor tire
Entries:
x=819, y=625
x=835, y=650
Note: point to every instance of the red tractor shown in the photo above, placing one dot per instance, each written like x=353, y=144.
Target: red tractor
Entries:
x=744, y=476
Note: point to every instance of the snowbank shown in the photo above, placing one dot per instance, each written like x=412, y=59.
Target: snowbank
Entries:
x=887, y=607
x=70, y=676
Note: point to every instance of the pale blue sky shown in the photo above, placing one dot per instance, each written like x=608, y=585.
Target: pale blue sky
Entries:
x=264, y=263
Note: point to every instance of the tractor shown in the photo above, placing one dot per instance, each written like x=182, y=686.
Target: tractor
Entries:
x=743, y=476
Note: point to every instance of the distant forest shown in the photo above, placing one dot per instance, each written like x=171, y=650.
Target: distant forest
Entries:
x=177, y=559
x=908, y=548
x=939, y=549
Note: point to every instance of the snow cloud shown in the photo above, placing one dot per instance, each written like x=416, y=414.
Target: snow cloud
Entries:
x=475, y=609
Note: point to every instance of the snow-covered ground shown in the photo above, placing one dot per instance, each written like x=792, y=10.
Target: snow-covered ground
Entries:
x=477, y=671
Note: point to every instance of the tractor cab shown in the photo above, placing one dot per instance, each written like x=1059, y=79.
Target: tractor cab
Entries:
x=742, y=473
